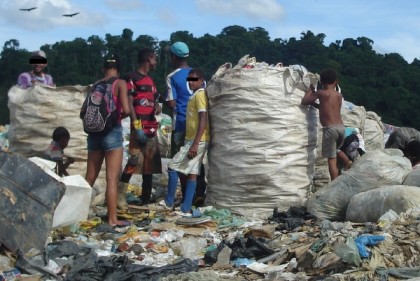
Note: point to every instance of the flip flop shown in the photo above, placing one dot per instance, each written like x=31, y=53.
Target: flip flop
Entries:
x=122, y=224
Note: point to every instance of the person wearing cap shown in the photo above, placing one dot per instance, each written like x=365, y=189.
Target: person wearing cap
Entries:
x=38, y=61
x=178, y=94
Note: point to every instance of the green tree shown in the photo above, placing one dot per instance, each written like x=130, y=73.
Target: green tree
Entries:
x=386, y=84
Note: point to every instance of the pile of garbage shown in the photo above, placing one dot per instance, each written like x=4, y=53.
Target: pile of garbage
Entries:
x=291, y=245
x=215, y=245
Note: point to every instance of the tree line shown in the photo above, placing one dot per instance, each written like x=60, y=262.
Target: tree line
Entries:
x=386, y=84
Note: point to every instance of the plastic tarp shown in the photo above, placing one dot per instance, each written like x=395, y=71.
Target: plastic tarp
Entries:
x=377, y=202
x=262, y=151
x=413, y=178
x=401, y=137
x=28, y=199
x=373, y=132
x=376, y=168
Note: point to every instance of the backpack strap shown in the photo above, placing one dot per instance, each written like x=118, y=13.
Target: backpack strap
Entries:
x=113, y=80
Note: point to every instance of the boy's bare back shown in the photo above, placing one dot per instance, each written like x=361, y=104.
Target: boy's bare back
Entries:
x=329, y=107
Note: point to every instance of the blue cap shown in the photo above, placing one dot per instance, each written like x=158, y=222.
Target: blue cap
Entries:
x=180, y=49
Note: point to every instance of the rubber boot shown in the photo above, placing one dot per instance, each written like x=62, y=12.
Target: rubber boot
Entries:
x=172, y=184
x=200, y=193
x=183, y=182
x=189, y=195
x=122, y=202
x=146, y=189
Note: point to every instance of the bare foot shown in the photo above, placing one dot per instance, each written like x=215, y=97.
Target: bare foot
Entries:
x=349, y=164
x=115, y=223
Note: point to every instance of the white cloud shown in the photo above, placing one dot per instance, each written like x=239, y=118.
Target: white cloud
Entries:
x=256, y=9
x=46, y=16
x=402, y=43
x=167, y=16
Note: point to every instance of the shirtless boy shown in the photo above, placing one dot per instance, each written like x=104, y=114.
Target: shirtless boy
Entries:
x=329, y=114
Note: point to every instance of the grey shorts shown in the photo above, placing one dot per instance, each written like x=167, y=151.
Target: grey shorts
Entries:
x=332, y=140
x=181, y=163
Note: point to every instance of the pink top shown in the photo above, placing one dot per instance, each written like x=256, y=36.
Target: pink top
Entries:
x=117, y=102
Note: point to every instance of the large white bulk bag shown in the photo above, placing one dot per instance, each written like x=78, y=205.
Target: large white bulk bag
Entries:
x=262, y=150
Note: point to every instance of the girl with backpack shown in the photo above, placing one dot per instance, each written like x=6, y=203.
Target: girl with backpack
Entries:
x=105, y=141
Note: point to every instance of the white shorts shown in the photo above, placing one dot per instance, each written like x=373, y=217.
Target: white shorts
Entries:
x=181, y=163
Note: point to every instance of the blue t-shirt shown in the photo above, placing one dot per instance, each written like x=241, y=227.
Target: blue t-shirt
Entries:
x=179, y=91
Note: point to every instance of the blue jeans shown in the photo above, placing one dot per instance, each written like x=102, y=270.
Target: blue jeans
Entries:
x=110, y=141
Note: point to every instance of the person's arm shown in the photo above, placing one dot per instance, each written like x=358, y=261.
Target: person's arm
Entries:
x=133, y=115
x=171, y=94
x=50, y=82
x=202, y=105
x=310, y=97
x=62, y=166
x=202, y=121
x=24, y=80
x=123, y=96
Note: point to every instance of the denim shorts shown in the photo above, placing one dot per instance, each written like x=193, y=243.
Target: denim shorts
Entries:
x=110, y=141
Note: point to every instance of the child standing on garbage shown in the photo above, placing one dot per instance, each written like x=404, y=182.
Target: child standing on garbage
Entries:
x=55, y=151
x=177, y=98
x=329, y=114
x=189, y=159
x=144, y=145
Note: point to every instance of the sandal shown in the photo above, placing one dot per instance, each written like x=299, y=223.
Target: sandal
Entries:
x=122, y=224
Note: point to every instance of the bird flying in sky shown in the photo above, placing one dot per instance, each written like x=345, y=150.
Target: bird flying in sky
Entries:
x=70, y=15
x=28, y=9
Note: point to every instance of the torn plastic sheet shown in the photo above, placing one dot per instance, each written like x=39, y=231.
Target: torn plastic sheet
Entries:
x=90, y=267
x=403, y=272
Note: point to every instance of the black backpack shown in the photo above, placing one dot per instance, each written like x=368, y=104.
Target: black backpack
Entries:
x=99, y=111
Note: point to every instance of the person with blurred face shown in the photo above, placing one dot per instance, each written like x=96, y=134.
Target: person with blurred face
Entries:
x=38, y=62
x=178, y=95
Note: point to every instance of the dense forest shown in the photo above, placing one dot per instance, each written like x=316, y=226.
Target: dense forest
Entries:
x=386, y=84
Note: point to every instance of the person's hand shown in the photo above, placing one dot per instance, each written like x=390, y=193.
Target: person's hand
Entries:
x=141, y=137
x=158, y=109
x=193, y=151
x=70, y=160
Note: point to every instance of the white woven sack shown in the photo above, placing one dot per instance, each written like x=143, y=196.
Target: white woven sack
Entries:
x=262, y=151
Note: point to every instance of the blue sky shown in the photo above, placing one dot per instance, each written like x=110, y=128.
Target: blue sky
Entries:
x=394, y=26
